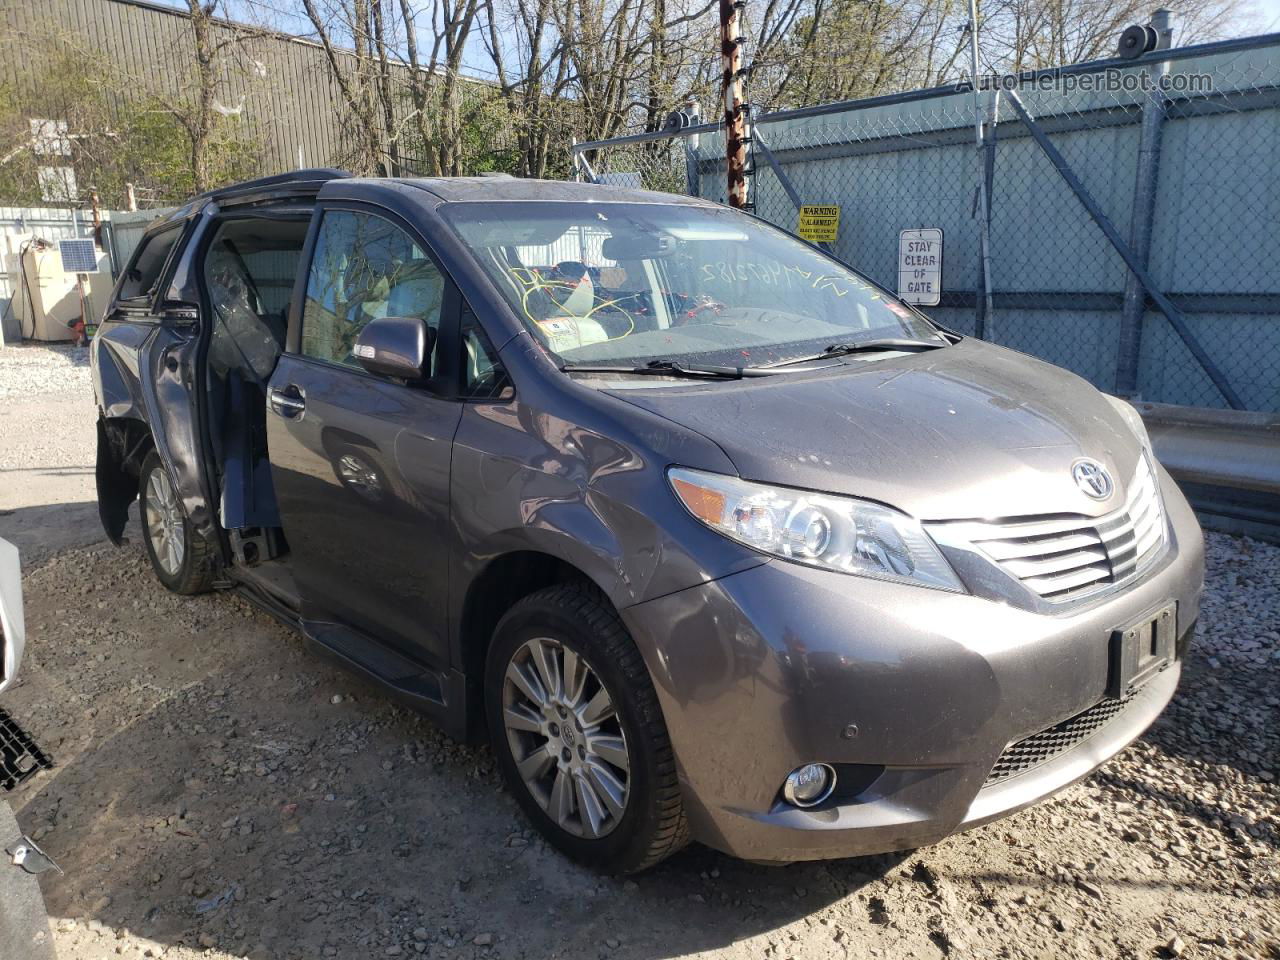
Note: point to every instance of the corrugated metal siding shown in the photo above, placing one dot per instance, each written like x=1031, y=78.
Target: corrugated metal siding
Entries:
x=295, y=110
x=295, y=105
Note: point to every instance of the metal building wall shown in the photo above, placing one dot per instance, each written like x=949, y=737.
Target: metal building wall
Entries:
x=291, y=104
x=293, y=108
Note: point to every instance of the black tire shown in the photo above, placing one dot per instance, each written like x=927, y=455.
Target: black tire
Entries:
x=652, y=825
x=194, y=572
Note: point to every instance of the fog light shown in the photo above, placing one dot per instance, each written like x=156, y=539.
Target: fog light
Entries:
x=809, y=785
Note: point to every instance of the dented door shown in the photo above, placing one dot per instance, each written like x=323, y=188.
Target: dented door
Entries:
x=145, y=370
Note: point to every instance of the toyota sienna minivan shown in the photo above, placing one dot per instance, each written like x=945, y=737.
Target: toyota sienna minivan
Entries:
x=713, y=538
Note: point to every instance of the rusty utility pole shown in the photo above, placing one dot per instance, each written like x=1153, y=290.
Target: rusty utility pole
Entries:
x=735, y=111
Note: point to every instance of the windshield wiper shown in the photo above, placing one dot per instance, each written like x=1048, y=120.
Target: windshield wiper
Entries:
x=862, y=346
x=671, y=368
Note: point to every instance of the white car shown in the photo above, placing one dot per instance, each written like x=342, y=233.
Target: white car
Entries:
x=24, y=922
x=12, y=630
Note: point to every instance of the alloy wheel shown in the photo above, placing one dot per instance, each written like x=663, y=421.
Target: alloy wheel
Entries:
x=566, y=738
x=165, y=527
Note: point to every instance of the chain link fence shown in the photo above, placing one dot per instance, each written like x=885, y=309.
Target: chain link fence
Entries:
x=1132, y=208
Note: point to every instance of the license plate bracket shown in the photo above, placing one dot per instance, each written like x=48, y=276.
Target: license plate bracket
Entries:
x=1142, y=649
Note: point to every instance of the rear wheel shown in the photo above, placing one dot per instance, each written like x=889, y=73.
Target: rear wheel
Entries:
x=578, y=733
x=179, y=556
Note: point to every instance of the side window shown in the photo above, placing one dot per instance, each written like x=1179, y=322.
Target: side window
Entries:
x=364, y=267
x=483, y=376
x=144, y=270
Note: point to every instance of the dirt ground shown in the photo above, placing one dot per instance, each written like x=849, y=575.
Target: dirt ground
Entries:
x=220, y=790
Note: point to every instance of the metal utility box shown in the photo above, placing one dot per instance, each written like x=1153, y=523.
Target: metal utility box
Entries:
x=46, y=298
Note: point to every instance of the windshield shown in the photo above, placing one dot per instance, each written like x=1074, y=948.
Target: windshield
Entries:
x=625, y=283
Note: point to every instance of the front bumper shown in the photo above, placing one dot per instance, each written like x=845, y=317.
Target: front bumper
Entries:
x=770, y=668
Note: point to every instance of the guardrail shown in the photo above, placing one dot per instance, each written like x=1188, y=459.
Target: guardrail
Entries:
x=1227, y=462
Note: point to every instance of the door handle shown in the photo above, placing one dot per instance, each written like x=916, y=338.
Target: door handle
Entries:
x=286, y=402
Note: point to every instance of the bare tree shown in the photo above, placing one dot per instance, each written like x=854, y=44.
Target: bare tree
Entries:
x=590, y=69
x=532, y=70
x=184, y=107
x=1029, y=34
x=356, y=72
x=435, y=85
x=200, y=103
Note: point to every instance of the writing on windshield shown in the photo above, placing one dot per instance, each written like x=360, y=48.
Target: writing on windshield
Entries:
x=643, y=282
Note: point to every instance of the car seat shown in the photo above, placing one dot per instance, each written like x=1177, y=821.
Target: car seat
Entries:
x=242, y=339
x=243, y=351
x=559, y=303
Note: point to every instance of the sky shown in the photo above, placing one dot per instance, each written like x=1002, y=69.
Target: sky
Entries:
x=1270, y=14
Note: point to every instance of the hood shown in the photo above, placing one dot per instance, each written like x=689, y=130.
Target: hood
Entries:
x=966, y=432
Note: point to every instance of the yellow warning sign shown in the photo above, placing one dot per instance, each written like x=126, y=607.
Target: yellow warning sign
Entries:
x=819, y=223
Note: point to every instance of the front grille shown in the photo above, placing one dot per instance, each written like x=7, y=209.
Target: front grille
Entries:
x=1065, y=557
x=20, y=758
x=1039, y=748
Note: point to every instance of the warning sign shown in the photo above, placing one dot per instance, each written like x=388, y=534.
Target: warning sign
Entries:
x=819, y=223
x=920, y=266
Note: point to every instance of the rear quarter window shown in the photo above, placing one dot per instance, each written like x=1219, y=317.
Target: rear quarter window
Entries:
x=143, y=273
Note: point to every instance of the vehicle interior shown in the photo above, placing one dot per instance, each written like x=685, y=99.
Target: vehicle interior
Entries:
x=582, y=284
x=629, y=285
x=248, y=273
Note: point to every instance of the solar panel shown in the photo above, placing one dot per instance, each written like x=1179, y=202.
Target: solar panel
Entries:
x=78, y=256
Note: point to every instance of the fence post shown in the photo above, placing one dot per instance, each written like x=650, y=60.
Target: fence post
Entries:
x=985, y=323
x=692, y=145
x=581, y=165
x=982, y=307
x=1142, y=212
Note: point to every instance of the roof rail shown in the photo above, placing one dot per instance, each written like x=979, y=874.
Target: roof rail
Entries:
x=309, y=175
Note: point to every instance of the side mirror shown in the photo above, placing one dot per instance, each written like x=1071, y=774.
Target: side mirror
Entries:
x=397, y=347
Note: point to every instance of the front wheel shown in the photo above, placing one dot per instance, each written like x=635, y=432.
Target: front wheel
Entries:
x=179, y=556
x=578, y=732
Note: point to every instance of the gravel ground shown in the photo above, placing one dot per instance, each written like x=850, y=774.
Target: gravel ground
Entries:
x=221, y=791
x=43, y=370
x=47, y=450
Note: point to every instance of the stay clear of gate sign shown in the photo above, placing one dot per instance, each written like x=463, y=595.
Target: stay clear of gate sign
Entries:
x=920, y=266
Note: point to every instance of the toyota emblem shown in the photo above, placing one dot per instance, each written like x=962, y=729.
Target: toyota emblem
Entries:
x=1092, y=478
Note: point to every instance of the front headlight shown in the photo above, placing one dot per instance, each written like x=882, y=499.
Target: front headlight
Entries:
x=1134, y=420
x=834, y=533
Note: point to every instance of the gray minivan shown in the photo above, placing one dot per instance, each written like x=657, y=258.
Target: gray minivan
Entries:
x=714, y=538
